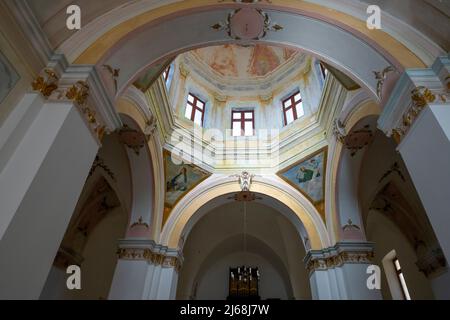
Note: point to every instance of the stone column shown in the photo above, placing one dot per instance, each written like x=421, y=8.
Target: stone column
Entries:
x=417, y=116
x=145, y=271
x=47, y=147
x=341, y=272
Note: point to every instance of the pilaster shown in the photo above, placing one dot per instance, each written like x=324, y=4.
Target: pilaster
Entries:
x=341, y=272
x=146, y=271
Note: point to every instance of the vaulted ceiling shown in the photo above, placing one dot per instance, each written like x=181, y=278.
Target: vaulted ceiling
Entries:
x=243, y=62
x=430, y=17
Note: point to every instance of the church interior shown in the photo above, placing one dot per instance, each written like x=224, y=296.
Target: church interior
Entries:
x=224, y=150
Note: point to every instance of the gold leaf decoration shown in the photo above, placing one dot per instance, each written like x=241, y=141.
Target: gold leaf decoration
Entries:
x=46, y=85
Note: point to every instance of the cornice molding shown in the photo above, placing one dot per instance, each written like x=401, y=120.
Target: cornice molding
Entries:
x=416, y=89
x=263, y=85
x=340, y=254
x=81, y=85
x=149, y=250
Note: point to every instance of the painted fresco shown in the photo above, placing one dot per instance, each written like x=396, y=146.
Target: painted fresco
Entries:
x=180, y=179
x=308, y=176
x=244, y=62
x=263, y=61
x=8, y=77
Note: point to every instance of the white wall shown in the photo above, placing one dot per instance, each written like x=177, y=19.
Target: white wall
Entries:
x=270, y=237
x=213, y=285
x=387, y=237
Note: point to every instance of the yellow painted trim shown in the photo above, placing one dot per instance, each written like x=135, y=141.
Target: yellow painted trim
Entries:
x=397, y=50
x=231, y=187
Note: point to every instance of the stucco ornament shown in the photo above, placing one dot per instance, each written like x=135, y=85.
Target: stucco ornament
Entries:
x=247, y=24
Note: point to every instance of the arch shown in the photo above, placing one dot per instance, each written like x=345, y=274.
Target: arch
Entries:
x=134, y=106
x=306, y=218
x=256, y=246
x=98, y=220
x=359, y=108
x=142, y=179
x=349, y=36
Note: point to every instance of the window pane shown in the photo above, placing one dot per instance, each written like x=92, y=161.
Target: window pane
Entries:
x=248, y=128
x=300, y=111
x=198, y=117
x=249, y=115
x=188, y=112
x=289, y=116
x=200, y=104
x=397, y=264
x=404, y=287
x=288, y=103
x=236, y=115
x=236, y=129
x=297, y=97
x=190, y=98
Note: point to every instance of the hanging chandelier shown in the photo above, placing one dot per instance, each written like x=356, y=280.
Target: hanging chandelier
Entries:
x=243, y=280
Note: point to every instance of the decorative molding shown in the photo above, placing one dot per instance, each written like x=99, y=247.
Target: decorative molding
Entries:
x=79, y=93
x=339, y=131
x=245, y=180
x=395, y=168
x=237, y=24
x=342, y=253
x=149, y=251
x=381, y=77
x=132, y=138
x=358, y=139
x=184, y=72
x=350, y=226
x=150, y=128
x=114, y=74
x=432, y=263
x=414, y=91
x=139, y=223
x=46, y=84
x=420, y=98
x=99, y=163
x=81, y=85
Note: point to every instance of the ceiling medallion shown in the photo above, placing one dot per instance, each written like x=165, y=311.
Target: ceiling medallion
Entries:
x=132, y=138
x=247, y=24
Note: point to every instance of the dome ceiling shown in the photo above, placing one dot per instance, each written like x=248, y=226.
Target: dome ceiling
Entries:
x=235, y=62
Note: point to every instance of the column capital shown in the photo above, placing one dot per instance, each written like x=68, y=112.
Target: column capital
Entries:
x=81, y=85
x=414, y=91
x=341, y=253
x=149, y=250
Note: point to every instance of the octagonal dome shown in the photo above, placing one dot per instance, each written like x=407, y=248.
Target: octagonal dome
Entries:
x=243, y=63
